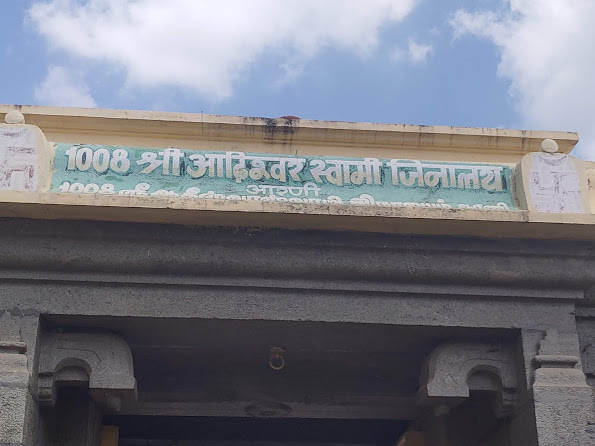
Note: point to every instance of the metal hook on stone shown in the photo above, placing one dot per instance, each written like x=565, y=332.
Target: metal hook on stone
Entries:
x=276, y=359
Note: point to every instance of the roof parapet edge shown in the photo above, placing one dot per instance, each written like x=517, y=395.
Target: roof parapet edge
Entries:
x=218, y=127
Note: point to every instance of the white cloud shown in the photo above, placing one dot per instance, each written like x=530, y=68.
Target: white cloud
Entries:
x=547, y=50
x=416, y=52
x=62, y=88
x=398, y=54
x=208, y=45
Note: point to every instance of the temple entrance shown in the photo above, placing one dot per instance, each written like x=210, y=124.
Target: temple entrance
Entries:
x=267, y=383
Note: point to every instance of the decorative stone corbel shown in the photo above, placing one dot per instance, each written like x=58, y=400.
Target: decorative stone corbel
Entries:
x=453, y=370
x=102, y=360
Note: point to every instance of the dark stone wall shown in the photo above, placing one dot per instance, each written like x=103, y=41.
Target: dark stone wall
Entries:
x=64, y=270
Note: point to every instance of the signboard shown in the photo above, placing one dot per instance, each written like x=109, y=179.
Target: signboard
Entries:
x=240, y=176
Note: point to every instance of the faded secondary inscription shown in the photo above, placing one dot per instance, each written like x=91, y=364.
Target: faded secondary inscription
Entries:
x=18, y=160
x=555, y=184
x=240, y=176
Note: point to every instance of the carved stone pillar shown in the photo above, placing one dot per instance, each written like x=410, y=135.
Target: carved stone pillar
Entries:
x=18, y=407
x=14, y=387
x=564, y=409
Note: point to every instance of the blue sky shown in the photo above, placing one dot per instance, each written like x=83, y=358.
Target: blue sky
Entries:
x=481, y=63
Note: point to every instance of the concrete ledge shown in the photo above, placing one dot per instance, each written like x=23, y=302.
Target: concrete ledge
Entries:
x=518, y=224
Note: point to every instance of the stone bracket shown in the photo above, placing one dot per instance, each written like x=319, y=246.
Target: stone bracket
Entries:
x=101, y=360
x=453, y=370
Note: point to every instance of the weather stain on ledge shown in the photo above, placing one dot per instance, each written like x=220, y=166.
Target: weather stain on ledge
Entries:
x=284, y=127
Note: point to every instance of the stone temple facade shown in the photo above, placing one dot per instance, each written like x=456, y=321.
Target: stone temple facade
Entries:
x=188, y=279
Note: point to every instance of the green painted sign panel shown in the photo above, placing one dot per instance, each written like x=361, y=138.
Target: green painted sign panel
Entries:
x=204, y=175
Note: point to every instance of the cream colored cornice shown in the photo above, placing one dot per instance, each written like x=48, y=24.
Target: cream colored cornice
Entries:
x=70, y=124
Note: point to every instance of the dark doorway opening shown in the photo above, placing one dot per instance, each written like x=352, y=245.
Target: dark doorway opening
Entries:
x=222, y=431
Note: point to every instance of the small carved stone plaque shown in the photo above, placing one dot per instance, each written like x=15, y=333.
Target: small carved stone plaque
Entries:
x=555, y=184
x=18, y=160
